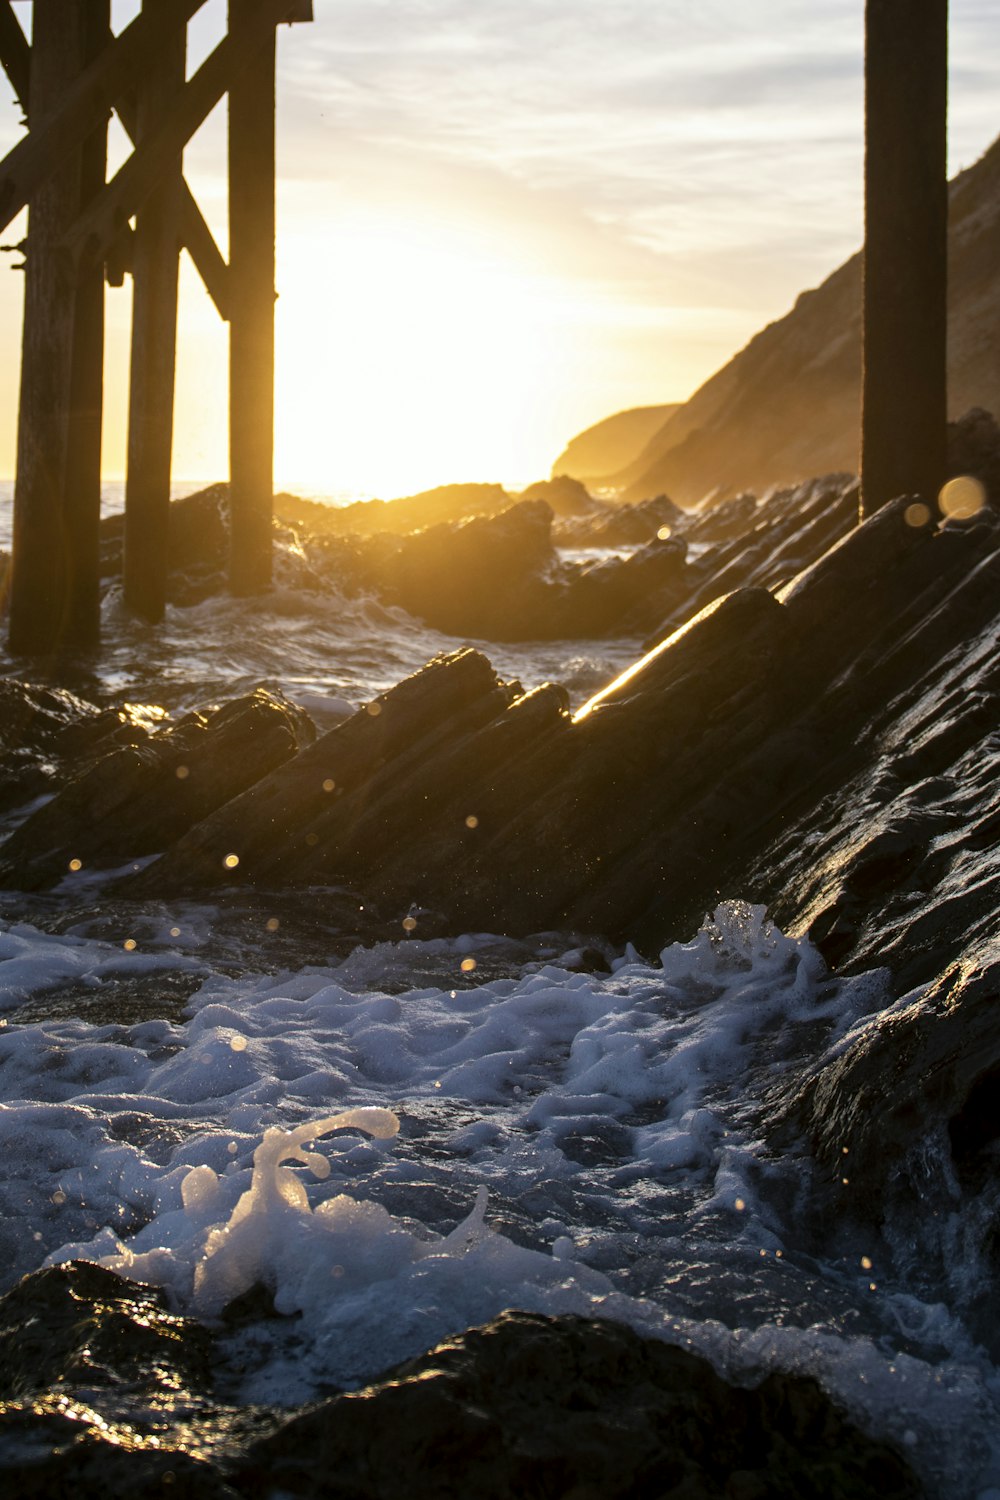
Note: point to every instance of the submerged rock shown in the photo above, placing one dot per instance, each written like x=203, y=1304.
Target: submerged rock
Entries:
x=104, y=1392
x=531, y=1405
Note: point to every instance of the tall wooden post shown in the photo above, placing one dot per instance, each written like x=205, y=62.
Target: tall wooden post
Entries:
x=155, y=256
x=55, y=603
x=251, y=336
x=904, y=400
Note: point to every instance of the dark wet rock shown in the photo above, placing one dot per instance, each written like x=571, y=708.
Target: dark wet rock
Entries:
x=469, y=579
x=328, y=796
x=565, y=1407
x=621, y=525
x=198, y=538
x=106, y=1393
x=829, y=751
x=82, y=1326
x=47, y=733
x=97, y=1382
x=133, y=801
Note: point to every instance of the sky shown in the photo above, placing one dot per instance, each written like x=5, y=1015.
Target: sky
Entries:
x=502, y=220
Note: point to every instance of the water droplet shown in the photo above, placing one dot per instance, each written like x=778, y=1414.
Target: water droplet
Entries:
x=739, y=1205
x=374, y=709
x=312, y=839
x=409, y=924
x=336, y=1270
x=272, y=924
x=231, y=861
x=665, y=533
x=175, y=932
x=238, y=1043
x=917, y=514
x=182, y=773
x=329, y=784
x=866, y=1264
x=962, y=497
x=472, y=821
x=129, y=945
x=468, y=964
x=232, y=1148
x=76, y=864
x=58, y=1197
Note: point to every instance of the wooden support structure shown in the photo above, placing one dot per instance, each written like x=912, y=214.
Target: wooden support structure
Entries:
x=155, y=267
x=251, y=322
x=54, y=571
x=79, y=229
x=904, y=400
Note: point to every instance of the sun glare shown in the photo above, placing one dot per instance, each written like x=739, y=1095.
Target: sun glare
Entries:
x=405, y=360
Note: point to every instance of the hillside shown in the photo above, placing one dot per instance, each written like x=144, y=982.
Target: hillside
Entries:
x=788, y=405
x=610, y=444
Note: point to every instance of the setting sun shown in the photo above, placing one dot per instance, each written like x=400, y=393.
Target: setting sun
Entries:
x=410, y=358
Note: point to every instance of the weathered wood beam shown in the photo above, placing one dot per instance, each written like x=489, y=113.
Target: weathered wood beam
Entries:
x=904, y=392
x=15, y=54
x=156, y=248
x=96, y=229
x=54, y=570
x=82, y=502
x=251, y=326
x=196, y=237
x=92, y=96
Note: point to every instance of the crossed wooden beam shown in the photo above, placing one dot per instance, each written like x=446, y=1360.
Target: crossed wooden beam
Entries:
x=86, y=235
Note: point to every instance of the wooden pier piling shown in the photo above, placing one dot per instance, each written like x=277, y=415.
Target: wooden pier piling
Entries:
x=54, y=581
x=70, y=78
x=251, y=315
x=155, y=268
x=904, y=391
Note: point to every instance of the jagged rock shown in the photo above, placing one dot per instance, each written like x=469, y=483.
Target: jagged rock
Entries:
x=824, y=752
x=565, y=497
x=97, y=1380
x=106, y=1394
x=198, y=534
x=469, y=579
x=47, y=733
x=134, y=801
x=567, y=1407
x=621, y=525
x=448, y=502
x=287, y=825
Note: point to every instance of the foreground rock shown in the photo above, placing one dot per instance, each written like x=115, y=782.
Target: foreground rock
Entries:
x=139, y=798
x=105, y=1393
x=48, y=733
x=824, y=751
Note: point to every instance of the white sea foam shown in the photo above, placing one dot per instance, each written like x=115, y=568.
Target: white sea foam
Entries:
x=567, y=1141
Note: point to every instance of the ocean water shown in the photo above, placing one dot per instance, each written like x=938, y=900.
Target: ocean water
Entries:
x=403, y=1141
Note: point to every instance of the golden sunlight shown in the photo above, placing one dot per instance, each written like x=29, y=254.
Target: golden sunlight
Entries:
x=409, y=359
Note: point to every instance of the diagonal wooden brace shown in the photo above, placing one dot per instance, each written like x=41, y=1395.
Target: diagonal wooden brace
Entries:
x=97, y=228
x=15, y=53
x=196, y=237
x=111, y=74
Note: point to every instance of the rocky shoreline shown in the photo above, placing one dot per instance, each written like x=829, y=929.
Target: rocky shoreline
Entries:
x=814, y=728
